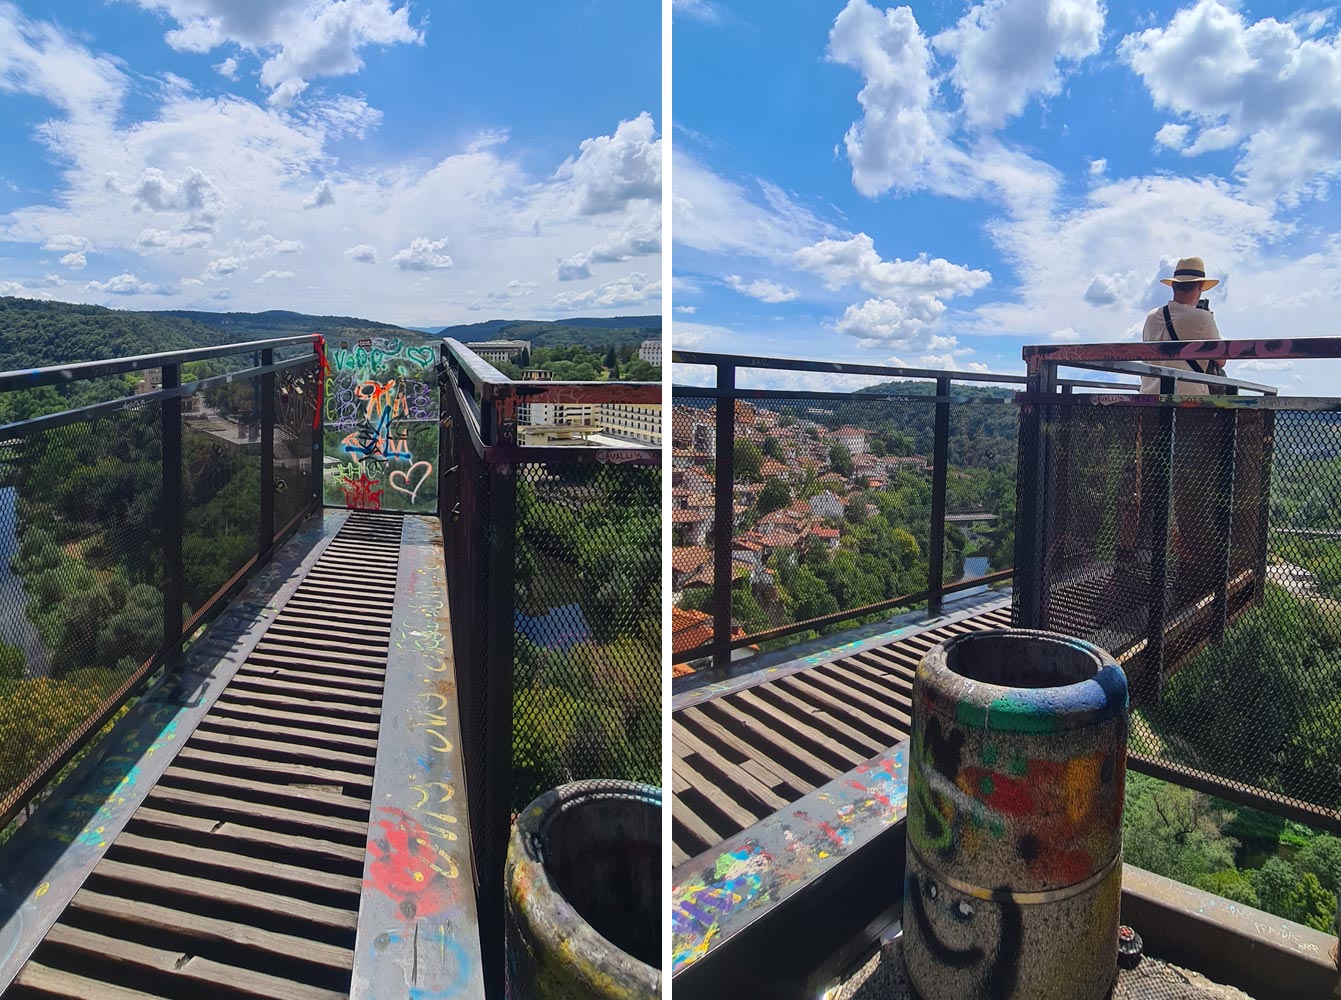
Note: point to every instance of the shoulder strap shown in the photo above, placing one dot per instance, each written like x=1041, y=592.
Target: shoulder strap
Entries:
x=1173, y=335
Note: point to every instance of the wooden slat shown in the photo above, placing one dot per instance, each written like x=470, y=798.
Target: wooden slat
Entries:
x=243, y=833
x=796, y=730
x=300, y=720
x=250, y=727
x=272, y=770
x=189, y=968
x=59, y=983
x=277, y=749
x=176, y=851
x=713, y=730
x=208, y=892
x=221, y=806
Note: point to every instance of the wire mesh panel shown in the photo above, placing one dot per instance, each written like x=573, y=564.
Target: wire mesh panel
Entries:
x=80, y=590
x=587, y=674
x=381, y=417
x=1202, y=546
x=221, y=470
x=693, y=521
x=980, y=489
x=295, y=402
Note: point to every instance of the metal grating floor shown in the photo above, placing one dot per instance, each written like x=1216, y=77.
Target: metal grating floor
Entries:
x=743, y=756
x=240, y=875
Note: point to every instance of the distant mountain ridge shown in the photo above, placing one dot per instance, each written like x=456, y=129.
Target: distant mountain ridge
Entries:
x=593, y=332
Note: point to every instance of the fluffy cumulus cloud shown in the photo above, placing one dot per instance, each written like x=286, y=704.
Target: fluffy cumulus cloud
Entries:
x=899, y=135
x=422, y=254
x=630, y=290
x=296, y=40
x=612, y=170
x=186, y=195
x=906, y=324
x=842, y=263
x=1007, y=51
x=1269, y=89
x=761, y=289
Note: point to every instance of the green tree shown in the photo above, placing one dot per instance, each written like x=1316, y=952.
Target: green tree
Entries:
x=612, y=362
x=774, y=496
x=1275, y=883
x=749, y=460
x=772, y=448
x=840, y=458
x=13, y=662
x=1231, y=883
x=1310, y=904
x=1321, y=857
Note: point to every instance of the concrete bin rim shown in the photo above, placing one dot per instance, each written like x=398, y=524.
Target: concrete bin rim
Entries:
x=527, y=852
x=984, y=704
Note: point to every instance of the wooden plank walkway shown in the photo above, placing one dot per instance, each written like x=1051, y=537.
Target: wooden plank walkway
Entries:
x=743, y=755
x=241, y=874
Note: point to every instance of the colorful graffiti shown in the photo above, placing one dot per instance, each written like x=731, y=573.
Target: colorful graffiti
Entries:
x=735, y=882
x=381, y=416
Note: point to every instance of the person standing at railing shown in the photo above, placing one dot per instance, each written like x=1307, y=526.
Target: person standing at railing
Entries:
x=1187, y=317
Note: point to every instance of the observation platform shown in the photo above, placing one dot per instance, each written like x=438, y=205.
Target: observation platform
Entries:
x=281, y=814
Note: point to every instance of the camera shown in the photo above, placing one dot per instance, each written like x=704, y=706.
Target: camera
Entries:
x=1204, y=304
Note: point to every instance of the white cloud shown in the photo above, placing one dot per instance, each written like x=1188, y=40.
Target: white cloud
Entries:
x=612, y=170
x=194, y=196
x=899, y=135
x=124, y=284
x=640, y=238
x=699, y=10
x=40, y=59
x=841, y=263
x=227, y=68
x=321, y=197
x=901, y=325
x=1173, y=135
x=300, y=40
x=74, y=261
x=362, y=253
x=151, y=239
x=1007, y=51
x=67, y=242
x=632, y=289
x=1259, y=86
x=687, y=310
x=221, y=266
x=273, y=276
x=761, y=289
x=1097, y=167
x=422, y=255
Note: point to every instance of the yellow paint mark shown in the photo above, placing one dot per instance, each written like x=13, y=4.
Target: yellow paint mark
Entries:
x=446, y=743
x=41, y=890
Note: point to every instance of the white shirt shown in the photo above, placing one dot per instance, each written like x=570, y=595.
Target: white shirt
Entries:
x=1192, y=324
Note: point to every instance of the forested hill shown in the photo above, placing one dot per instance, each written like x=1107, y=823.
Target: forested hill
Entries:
x=36, y=333
x=596, y=332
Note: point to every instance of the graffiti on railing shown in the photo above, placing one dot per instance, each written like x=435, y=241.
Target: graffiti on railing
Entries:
x=381, y=425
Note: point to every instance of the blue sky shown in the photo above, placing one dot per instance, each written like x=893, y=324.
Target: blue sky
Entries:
x=422, y=163
x=941, y=184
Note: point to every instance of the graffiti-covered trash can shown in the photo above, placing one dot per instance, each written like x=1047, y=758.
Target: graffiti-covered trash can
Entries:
x=583, y=887
x=1015, y=787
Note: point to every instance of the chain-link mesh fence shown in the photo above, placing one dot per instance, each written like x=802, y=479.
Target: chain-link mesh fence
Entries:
x=295, y=402
x=84, y=578
x=81, y=607
x=833, y=502
x=221, y=486
x=587, y=687
x=1201, y=545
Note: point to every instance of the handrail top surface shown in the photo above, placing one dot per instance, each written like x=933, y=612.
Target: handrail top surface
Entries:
x=32, y=378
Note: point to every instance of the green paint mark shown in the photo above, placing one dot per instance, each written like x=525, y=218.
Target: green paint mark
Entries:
x=989, y=753
x=1018, y=766
x=987, y=786
x=997, y=828
x=1006, y=715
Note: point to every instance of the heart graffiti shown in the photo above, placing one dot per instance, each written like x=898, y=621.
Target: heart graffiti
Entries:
x=399, y=477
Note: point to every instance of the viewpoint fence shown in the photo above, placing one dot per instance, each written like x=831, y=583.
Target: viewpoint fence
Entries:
x=1198, y=539
x=933, y=459
x=554, y=577
x=125, y=522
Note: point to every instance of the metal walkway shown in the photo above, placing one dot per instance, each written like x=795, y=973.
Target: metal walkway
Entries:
x=742, y=755
x=240, y=874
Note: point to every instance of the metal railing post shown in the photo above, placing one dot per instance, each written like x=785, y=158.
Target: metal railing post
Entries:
x=1224, y=528
x=1034, y=499
x=266, y=537
x=172, y=500
x=940, y=451
x=724, y=515
x=1159, y=493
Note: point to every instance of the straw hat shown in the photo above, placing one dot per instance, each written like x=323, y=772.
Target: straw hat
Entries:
x=1191, y=269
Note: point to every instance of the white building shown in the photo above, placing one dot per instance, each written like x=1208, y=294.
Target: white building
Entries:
x=500, y=350
x=651, y=352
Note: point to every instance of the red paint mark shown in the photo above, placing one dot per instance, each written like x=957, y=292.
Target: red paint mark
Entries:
x=323, y=370
x=832, y=834
x=360, y=495
x=403, y=867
